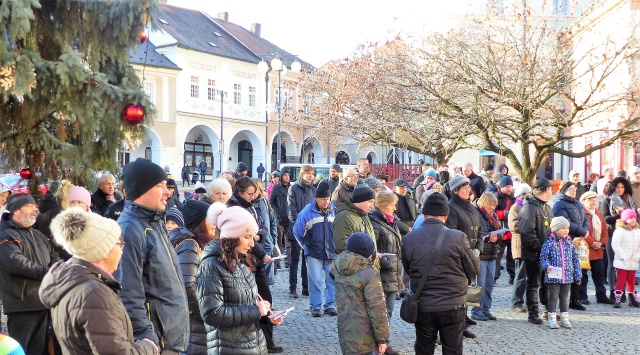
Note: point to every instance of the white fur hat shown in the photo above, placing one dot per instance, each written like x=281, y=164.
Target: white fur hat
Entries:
x=85, y=235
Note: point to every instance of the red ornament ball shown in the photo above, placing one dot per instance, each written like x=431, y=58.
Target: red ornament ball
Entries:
x=143, y=36
x=26, y=173
x=133, y=114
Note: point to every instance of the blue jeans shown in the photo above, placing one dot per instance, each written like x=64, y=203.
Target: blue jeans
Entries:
x=316, y=268
x=485, y=279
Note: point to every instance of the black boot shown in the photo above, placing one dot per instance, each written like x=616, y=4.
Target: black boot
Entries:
x=468, y=334
x=574, y=304
x=633, y=299
x=602, y=298
x=470, y=321
x=533, y=315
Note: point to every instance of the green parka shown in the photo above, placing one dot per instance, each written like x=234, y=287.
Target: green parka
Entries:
x=362, y=313
x=350, y=219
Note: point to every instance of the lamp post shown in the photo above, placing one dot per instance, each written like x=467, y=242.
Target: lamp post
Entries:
x=278, y=66
x=221, y=141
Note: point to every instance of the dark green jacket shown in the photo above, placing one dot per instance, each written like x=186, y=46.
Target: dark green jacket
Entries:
x=350, y=219
x=362, y=311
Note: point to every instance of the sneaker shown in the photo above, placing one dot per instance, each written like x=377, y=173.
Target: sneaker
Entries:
x=489, y=315
x=331, y=311
x=293, y=294
x=305, y=292
x=390, y=351
x=479, y=316
x=519, y=309
x=316, y=313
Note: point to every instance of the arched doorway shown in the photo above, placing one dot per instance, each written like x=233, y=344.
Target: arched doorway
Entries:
x=372, y=158
x=198, y=146
x=245, y=154
x=342, y=157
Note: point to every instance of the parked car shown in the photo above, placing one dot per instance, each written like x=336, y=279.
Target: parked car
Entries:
x=19, y=185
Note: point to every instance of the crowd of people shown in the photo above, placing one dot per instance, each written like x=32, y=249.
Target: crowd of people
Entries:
x=149, y=271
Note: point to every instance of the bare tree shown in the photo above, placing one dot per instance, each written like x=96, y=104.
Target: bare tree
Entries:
x=518, y=89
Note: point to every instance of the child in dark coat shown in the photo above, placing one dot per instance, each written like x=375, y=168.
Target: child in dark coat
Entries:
x=559, y=259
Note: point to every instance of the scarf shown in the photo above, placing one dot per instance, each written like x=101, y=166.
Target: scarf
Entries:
x=596, y=224
x=489, y=216
x=390, y=217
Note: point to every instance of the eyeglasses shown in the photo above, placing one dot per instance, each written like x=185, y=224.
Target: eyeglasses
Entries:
x=121, y=244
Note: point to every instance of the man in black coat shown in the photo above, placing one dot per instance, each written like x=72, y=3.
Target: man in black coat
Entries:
x=477, y=182
x=25, y=257
x=443, y=299
x=105, y=194
x=152, y=288
x=535, y=219
x=279, y=202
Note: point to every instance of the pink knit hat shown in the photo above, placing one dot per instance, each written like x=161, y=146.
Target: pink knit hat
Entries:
x=79, y=193
x=235, y=222
x=628, y=213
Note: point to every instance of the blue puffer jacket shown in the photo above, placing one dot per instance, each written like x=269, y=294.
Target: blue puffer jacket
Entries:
x=314, y=232
x=571, y=209
x=560, y=252
x=152, y=289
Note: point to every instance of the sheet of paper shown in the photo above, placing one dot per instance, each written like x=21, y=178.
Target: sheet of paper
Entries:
x=281, y=313
x=556, y=273
x=501, y=231
x=279, y=257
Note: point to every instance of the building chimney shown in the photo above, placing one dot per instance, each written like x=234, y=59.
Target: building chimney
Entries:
x=255, y=28
x=223, y=16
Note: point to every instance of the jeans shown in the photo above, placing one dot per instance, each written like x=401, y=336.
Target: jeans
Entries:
x=597, y=274
x=450, y=324
x=535, y=284
x=558, y=291
x=29, y=329
x=485, y=279
x=390, y=299
x=316, y=269
x=296, y=251
x=519, y=284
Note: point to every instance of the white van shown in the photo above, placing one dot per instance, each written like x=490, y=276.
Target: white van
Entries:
x=322, y=170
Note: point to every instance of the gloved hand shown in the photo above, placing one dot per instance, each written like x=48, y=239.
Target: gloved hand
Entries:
x=476, y=252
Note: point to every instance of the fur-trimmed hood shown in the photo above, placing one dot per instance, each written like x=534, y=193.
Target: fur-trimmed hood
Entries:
x=620, y=224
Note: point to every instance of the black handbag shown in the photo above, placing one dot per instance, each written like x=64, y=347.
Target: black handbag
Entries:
x=411, y=303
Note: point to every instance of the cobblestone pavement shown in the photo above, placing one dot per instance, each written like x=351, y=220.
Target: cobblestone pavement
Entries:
x=600, y=330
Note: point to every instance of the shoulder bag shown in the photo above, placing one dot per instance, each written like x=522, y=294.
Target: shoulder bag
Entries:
x=410, y=304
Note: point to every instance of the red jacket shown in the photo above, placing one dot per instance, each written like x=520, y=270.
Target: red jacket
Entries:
x=604, y=235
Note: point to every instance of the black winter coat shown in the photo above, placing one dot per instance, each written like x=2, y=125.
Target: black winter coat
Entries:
x=25, y=257
x=571, y=209
x=227, y=301
x=463, y=217
x=49, y=209
x=333, y=184
x=279, y=202
x=489, y=249
x=477, y=184
x=388, y=240
x=152, y=287
x=300, y=195
x=454, y=267
x=186, y=245
x=535, y=220
x=406, y=209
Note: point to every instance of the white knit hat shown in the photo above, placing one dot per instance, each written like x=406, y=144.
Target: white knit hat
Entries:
x=558, y=222
x=85, y=235
x=235, y=222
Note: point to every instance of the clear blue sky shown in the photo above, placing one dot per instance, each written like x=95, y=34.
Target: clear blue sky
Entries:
x=320, y=31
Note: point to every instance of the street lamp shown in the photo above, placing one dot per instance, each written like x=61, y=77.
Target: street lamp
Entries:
x=278, y=66
x=221, y=141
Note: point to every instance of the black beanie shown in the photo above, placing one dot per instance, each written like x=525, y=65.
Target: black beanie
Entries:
x=362, y=193
x=16, y=201
x=435, y=205
x=140, y=176
x=488, y=167
x=323, y=190
x=362, y=244
x=566, y=186
x=194, y=212
x=241, y=167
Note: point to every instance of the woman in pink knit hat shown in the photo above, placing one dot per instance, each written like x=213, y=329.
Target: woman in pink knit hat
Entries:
x=226, y=287
x=80, y=197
